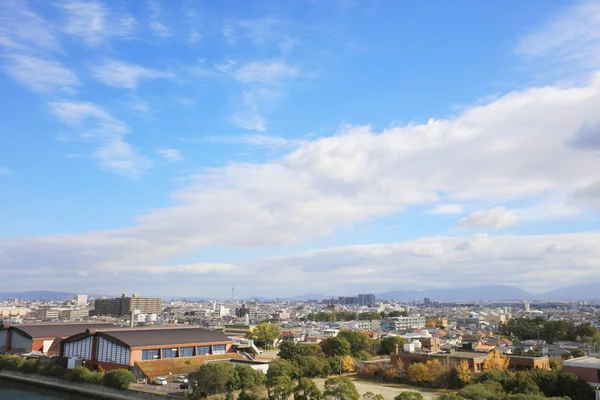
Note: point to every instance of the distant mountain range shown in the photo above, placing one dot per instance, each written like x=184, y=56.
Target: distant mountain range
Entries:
x=584, y=292
x=36, y=295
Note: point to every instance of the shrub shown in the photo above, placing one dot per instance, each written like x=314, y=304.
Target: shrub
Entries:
x=409, y=396
x=11, y=362
x=82, y=374
x=30, y=366
x=119, y=378
x=53, y=370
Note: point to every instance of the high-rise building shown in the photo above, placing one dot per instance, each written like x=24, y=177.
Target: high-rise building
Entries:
x=366, y=299
x=126, y=305
x=427, y=301
x=527, y=306
x=81, y=299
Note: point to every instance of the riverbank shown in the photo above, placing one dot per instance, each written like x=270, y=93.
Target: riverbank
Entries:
x=88, y=390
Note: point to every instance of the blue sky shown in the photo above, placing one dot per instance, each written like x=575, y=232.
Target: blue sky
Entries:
x=185, y=147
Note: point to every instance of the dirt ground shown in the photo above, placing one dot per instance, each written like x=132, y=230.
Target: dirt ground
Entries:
x=389, y=391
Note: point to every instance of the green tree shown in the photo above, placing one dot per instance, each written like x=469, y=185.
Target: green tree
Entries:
x=387, y=344
x=358, y=341
x=479, y=391
x=311, y=367
x=409, y=395
x=372, y=396
x=265, y=334
x=213, y=378
x=119, y=379
x=282, y=368
x=577, y=353
x=246, y=378
x=249, y=395
x=280, y=388
x=450, y=396
x=307, y=390
x=336, y=346
x=340, y=388
x=393, y=314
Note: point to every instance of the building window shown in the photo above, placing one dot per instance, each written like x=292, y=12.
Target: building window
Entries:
x=219, y=349
x=186, y=352
x=111, y=353
x=152, y=354
x=169, y=353
x=203, y=350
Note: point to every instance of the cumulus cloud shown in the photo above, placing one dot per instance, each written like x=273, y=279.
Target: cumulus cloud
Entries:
x=122, y=74
x=496, y=218
x=502, y=151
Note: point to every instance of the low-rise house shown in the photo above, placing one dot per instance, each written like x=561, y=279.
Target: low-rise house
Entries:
x=587, y=368
x=553, y=350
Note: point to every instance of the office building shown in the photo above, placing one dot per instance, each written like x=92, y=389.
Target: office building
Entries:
x=406, y=323
x=124, y=306
x=366, y=299
x=81, y=299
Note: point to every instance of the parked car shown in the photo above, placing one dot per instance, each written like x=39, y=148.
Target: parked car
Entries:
x=182, y=379
x=161, y=380
x=184, y=386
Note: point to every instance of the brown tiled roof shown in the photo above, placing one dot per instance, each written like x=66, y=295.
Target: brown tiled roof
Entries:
x=164, y=337
x=40, y=331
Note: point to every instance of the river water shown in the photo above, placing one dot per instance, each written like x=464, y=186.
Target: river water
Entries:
x=10, y=390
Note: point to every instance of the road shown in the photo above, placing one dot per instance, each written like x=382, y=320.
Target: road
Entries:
x=389, y=391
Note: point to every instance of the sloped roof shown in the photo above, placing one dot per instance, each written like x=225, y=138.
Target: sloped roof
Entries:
x=164, y=337
x=41, y=331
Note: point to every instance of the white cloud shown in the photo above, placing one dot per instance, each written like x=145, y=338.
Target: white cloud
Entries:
x=21, y=29
x=39, y=74
x=92, y=123
x=482, y=155
x=265, y=72
x=496, y=218
x=158, y=27
x=5, y=171
x=172, y=155
x=249, y=116
x=118, y=156
x=122, y=74
x=446, y=209
x=94, y=24
x=571, y=37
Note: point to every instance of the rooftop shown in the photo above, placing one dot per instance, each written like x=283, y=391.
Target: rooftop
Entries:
x=161, y=337
x=583, y=362
x=38, y=331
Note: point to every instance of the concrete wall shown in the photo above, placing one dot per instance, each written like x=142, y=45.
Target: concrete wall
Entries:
x=89, y=390
x=587, y=374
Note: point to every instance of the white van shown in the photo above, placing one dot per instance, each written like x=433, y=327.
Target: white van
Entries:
x=161, y=381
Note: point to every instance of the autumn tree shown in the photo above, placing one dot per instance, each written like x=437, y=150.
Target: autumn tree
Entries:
x=497, y=361
x=463, y=373
x=419, y=373
x=348, y=364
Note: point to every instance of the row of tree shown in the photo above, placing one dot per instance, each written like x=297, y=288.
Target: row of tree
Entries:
x=550, y=331
x=351, y=316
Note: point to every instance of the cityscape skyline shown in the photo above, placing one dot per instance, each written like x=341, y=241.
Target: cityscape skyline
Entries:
x=331, y=147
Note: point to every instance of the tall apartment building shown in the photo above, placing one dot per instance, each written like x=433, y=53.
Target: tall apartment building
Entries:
x=81, y=299
x=366, y=299
x=126, y=305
